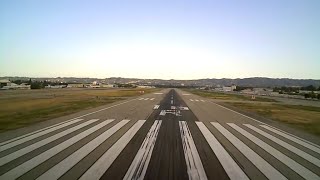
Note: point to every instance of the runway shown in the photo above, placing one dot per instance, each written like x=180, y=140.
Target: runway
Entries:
x=166, y=135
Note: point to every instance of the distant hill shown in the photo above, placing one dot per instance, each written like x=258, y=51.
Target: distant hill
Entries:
x=250, y=82
x=262, y=82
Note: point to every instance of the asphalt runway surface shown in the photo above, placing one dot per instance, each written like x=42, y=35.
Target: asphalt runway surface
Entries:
x=170, y=134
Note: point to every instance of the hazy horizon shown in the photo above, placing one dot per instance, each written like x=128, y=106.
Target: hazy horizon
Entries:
x=160, y=39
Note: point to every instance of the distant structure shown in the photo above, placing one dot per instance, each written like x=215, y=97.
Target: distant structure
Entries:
x=229, y=88
x=6, y=85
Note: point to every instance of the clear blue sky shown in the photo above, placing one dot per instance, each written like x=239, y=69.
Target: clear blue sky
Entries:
x=160, y=39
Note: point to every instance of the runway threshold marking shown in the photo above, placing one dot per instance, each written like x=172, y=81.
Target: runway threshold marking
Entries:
x=156, y=106
x=139, y=165
x=304, y=140
x=229, y=165
x=194, y=165
x=298, y=141
x=286, y=145
x=43, y=142
x=32, y=163
x=301, y=170
x=96, y=171
x=22, y=139
x=269, y=171
x=62, y=167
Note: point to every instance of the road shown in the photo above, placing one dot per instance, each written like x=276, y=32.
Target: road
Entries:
x=165, y=135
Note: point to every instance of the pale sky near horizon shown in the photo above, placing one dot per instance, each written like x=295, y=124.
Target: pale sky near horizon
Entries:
x=165, y=39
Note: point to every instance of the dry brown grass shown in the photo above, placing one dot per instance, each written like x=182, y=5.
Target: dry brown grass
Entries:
x=25, y=107
x=303, y=117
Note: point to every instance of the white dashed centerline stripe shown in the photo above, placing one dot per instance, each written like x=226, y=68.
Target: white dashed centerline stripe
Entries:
x=32, y=163
x=96, y=171
x=202, y=100
x=197, y=100
x=269, y=171
x=229, y=165
x=152, y=99
x=146, y=99
x=22, y=139
x=296, y=140
x=43, y=142
x=194, y=165
x=191, y=100
x=140, y=99
x=59, y=169
x=140, y=163
x=302, y=171
x=286, y=145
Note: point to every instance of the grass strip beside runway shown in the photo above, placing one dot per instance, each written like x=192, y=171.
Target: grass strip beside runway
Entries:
x=20, y=108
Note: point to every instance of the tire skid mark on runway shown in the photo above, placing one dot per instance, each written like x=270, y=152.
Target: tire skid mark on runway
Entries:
x=59, y=169
x=32, y=163
x=230, y=166
x=269, y=171
x=43, y=142
x=96, y=171
x=27, y=137
x=287, y=146
x=296, y=140
x=140, y=163
x=301, y=170
x=194, y=165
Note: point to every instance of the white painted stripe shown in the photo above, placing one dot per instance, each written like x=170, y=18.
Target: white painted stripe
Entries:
x=102, y=165
x=265, y=124
x=171, y=101
x=229, y=165
x=191, y=100
x=163, y=113
x=152, y=99
x=34, y=132
x=32, y=163
x=43, y=142
x=26, y=138
x=140, y=99
x=194, y=165
x=156, y=106
x=298, y=141
x=157, y=93
x=139, y=165
x=146, y=99
x=62, y=167
x=197, y=100
x=269, y=171
x=316, y=145
x=202, y=100
x=302, y=171
x=286, y=145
